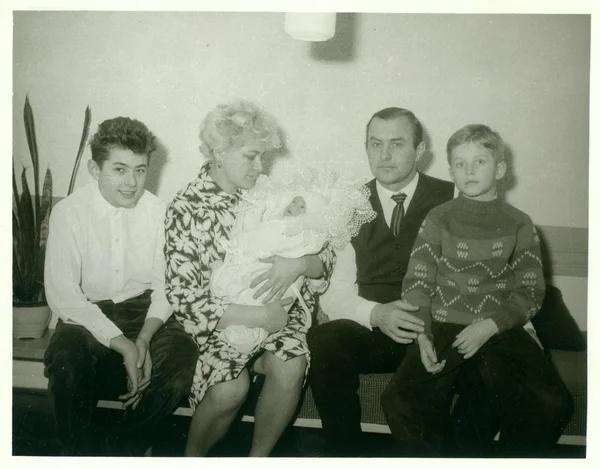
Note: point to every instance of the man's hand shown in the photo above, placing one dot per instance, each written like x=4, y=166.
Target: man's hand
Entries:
x=279, y=277
x=395, y=321
x=276, y=317
x=428, y=355
x=472, y=337
x=128, y=350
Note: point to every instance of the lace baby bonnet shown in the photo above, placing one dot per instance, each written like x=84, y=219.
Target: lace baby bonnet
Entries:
x=337, y=208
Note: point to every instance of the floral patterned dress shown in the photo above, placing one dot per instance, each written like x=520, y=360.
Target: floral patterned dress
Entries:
x=198, y=220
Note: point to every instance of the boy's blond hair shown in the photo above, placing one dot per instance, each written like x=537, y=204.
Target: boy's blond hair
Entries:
x=478, y=134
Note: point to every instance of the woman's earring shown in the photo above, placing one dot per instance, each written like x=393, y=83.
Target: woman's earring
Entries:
x=219, y=164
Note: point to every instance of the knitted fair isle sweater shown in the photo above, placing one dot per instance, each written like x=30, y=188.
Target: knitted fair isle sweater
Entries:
x=475, y=260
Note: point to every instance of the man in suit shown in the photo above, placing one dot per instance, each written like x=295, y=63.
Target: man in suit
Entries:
x=369, y=325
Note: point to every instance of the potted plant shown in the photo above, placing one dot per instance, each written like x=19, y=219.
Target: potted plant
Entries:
x=31, y=216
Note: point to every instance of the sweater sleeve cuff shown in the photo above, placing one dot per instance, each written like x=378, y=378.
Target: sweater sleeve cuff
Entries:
x=504, y=322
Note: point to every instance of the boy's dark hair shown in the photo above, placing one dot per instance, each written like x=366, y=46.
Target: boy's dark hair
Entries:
x=390, y=113
x=478, y=134
x=121, y=132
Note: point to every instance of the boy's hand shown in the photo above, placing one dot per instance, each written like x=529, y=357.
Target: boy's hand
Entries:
x=472, y=337
x=428, y=355
x=129, y=352
x=144, y=361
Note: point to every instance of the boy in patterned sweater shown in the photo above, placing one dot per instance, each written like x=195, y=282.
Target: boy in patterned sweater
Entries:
x=476, y=274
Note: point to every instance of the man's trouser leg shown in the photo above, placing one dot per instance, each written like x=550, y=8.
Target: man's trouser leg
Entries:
x=174, y=355
x=81, y=371
x=340, y=351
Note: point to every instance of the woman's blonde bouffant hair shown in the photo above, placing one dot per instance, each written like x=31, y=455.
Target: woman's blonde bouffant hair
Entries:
x=235, y=125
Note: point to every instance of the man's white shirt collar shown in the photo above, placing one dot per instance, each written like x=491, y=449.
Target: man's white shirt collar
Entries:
x=385, y=196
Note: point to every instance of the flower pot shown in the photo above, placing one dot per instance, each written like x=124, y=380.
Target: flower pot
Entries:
x=30, y=322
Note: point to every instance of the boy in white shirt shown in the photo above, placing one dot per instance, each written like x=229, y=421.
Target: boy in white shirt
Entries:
x=104, y=278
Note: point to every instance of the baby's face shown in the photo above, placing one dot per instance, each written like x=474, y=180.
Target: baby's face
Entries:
x=296, y=207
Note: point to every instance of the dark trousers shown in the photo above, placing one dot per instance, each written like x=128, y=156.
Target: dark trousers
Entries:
x=81, y=371
x=341, y=350
x=524, y=391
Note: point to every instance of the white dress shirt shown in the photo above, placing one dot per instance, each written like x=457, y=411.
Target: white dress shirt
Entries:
x=341, y=300
x=99, y=252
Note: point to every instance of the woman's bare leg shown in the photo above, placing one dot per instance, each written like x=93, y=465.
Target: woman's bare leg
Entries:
x=278, y=399
x=213, y=416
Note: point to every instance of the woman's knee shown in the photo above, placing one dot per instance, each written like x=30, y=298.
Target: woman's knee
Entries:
x=289, y=373
x=229, y=394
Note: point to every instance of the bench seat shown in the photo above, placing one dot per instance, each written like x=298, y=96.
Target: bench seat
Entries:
x=28, y=375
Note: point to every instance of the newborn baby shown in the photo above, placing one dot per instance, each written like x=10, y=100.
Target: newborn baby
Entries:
x=289, y=217
x=296, y=207
x=256, y=236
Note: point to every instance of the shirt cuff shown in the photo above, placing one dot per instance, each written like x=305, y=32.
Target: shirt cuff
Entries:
x=363, y=313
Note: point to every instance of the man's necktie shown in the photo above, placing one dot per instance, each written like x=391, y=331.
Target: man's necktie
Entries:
x=398, y=213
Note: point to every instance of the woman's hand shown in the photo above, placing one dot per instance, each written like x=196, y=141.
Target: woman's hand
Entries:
x=276, y=317
x=279, y=277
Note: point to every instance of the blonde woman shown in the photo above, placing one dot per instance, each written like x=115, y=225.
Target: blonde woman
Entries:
x=235, y=138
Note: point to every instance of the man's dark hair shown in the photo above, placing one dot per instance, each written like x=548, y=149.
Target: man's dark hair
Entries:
x=390, y=113
x=121, y=132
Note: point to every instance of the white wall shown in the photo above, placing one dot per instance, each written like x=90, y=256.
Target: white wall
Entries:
x=527, y=76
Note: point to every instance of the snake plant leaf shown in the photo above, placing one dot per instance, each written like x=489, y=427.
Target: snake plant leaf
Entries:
x=17, y=277
x=84, y=136
x=33, y=149
x=45, y=207
x=15, y=190
x=44, y=225
x=27, y=234
x=26, y=213
x=31, y=217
